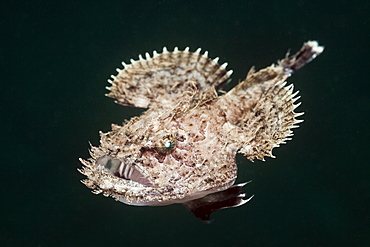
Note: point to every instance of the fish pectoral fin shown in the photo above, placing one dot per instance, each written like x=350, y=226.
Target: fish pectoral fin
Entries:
x=162, y=79
x=231, y=197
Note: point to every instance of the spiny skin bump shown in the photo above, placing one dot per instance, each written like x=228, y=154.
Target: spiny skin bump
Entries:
x=183, y=147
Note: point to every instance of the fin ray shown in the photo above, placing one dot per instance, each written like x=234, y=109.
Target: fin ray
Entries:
x=163, y=78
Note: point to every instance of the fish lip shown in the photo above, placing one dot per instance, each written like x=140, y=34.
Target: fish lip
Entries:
x=122, y=170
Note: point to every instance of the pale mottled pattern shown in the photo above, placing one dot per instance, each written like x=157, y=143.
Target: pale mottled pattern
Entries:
x=184, y=146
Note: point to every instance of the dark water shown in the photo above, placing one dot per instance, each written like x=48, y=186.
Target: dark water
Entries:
x=55, y=59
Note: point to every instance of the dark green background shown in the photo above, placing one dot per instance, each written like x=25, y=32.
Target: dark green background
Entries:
x=56, y=57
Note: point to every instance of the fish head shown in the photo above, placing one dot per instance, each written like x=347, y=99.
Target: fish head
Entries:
x=162, y=159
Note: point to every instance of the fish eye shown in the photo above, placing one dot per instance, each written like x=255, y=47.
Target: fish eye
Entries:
x=167, y=144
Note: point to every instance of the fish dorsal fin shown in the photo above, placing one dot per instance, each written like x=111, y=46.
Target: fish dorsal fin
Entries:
x=162, y=80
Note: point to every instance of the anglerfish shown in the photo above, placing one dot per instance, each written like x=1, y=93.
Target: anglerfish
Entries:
x=182, y=149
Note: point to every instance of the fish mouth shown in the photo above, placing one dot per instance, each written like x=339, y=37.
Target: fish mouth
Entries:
x=122, y=170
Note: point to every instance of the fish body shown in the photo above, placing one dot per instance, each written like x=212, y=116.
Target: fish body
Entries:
x=183, y=148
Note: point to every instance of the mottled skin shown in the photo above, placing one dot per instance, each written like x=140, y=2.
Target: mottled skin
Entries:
x=183, y=147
